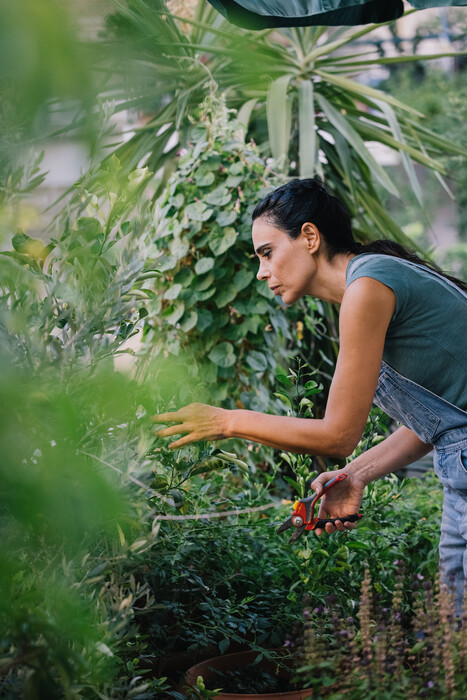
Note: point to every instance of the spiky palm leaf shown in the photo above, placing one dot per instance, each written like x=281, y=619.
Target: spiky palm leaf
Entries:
x=296, y=86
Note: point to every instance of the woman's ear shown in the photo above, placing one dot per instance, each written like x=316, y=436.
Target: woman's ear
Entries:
x=312, y=237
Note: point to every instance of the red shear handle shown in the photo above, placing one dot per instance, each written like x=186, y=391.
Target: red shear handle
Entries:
x=311, y=501
x=311, y=522
x=330, y=483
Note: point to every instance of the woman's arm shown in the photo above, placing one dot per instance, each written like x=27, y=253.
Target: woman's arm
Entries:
x=367, y=308
x=398, y=450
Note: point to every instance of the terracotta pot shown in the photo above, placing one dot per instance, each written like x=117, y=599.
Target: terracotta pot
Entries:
x=231, y=662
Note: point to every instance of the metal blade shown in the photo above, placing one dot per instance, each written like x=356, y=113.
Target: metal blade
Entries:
x=298, y=533
x=285, y=525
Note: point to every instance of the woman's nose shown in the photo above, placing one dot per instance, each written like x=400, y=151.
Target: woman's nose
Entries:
x=262, y=273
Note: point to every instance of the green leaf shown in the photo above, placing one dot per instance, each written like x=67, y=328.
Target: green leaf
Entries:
x=407, y=163
x=234, y=180
x=283, y=379
x=220, y=244
x=359, y=89
x=179, y=248
x=284, y=398
x=242, y=279
x=198, y=211
x=203, y=296
x=174, y=314
x=218, y=197
x=204, y=265
x=257, y=361
x=178, y=201
x=342, y=125
x=226, y=295
x=177, y=496
x=205, y=319
x=223, y=355
x=20, y=242
x=224, y=645
x=173, y=291
x=251, y=324
x=184, y=277
x=306, y=131
x=292, y=482
x=188, y=321
x=226, y=218
x=203, y=178
x=313, y=388
x=279, y=116
x=236, y=168
x=88, y=227
x=244, y=114
x=204, y=282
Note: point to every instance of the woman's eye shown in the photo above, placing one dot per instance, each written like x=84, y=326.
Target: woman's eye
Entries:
x=267, y=255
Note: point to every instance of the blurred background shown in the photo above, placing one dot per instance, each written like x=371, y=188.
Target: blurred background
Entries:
x=435, y=87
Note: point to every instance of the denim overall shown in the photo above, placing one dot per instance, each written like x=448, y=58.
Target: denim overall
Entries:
x=438, y=422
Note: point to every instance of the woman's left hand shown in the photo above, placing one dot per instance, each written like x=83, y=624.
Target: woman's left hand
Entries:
x=198, y=421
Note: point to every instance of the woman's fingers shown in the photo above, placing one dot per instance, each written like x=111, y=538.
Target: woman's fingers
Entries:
x=198, y=421
x=171, y=430
x=319, y=483
x=172, y=416
x=340, y=525
x=182, y=442
x=339, y=501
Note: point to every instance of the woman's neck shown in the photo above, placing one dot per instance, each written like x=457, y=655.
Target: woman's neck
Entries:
x=329, y=282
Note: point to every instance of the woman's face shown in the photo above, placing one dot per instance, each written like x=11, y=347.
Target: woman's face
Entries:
x=284, y=263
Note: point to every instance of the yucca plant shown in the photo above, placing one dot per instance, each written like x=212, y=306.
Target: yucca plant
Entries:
x=296, y=91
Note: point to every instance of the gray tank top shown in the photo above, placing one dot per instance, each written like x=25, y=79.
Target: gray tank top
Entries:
x=426, y=339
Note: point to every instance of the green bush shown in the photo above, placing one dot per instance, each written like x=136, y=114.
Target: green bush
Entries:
x=208, y=299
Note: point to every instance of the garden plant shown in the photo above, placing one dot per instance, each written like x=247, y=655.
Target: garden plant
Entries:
x=123, y=561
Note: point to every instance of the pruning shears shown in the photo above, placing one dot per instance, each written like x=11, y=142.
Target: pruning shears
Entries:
x=303, y=515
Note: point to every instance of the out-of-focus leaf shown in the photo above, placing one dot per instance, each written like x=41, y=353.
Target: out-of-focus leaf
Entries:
x=338, y=120
x=307, y=134
x=279, y=112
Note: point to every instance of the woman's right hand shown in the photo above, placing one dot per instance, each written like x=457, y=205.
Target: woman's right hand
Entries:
x=344, y=498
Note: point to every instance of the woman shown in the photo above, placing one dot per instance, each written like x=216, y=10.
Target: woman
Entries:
x=403, y=345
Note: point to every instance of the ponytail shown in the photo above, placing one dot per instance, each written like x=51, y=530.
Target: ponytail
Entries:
x=291, y=205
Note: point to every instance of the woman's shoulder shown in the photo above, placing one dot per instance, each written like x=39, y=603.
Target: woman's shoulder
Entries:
x=386, y=269
x=366, y=263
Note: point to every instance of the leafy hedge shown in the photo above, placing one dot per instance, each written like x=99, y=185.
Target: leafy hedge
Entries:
x=209, y=301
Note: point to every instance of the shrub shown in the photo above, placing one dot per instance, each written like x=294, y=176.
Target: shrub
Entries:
x=208, y=299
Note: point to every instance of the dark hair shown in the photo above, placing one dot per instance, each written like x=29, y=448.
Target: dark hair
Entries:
x=291, y=205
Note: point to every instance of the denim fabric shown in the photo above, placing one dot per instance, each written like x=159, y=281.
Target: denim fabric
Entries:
x=438, y=422
x=451, y=468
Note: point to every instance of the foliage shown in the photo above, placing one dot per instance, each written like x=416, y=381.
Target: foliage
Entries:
x=441, y=98
x=298, y=98
x=207, y=299
x=114, y=548
x=388, y=654
x=74, y=435
x=45, y=80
